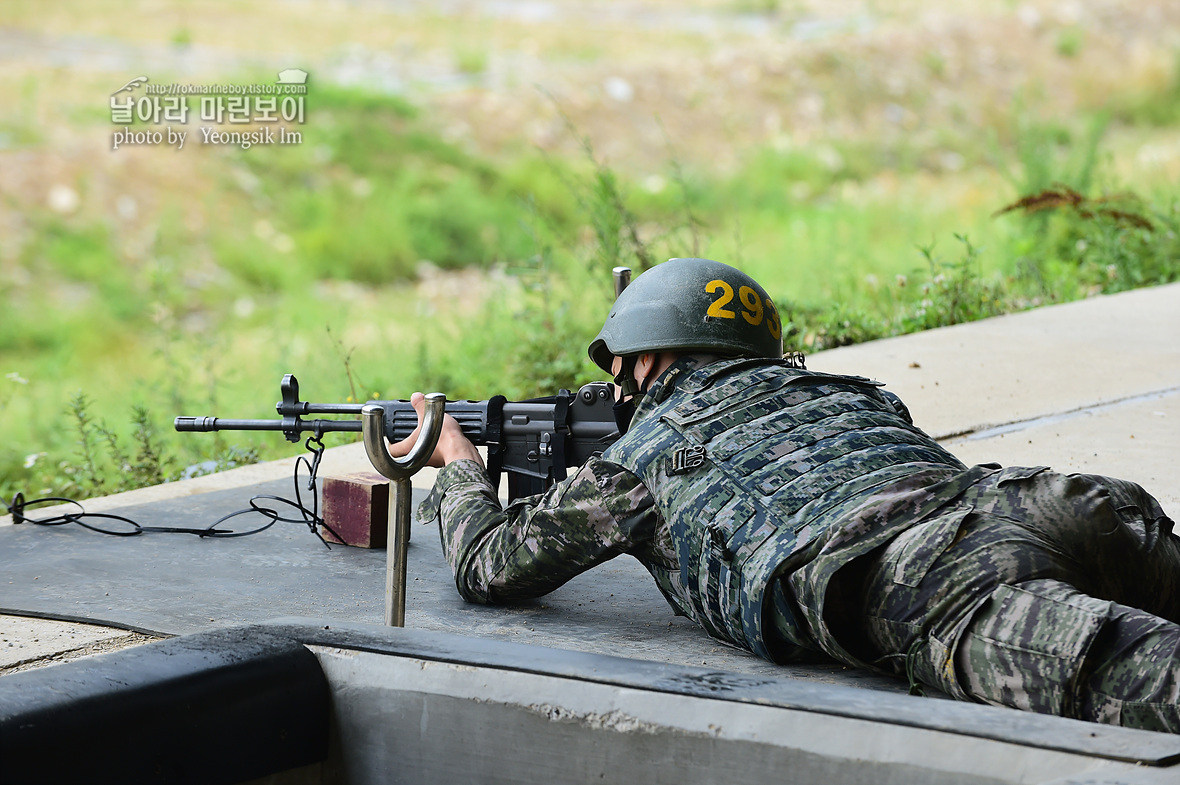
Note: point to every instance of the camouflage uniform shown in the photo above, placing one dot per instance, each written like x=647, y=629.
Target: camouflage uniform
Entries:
x=802, y=515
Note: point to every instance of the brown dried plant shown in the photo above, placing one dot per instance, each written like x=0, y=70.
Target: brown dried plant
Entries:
x=1062, y=196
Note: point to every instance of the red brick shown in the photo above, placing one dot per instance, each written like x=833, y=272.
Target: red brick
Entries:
x=356, y=506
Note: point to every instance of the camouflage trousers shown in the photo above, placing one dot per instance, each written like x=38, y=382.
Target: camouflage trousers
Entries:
x=1040, y=591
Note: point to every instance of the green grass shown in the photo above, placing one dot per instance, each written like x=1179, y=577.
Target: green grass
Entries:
x=373, y=191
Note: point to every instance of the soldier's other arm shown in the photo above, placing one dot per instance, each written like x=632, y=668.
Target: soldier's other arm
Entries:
x=538, y=543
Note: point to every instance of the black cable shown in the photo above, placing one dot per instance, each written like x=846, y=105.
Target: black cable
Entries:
x=311, y=516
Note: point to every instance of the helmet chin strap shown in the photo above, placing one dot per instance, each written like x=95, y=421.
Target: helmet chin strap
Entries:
x=628, y=385
x=625, y=378
x=629, y=392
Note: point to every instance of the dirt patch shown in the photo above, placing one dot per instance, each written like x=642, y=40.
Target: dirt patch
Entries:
x=923, y=76
x=116, y=643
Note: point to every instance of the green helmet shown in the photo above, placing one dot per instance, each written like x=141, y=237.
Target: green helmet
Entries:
x=686, y=305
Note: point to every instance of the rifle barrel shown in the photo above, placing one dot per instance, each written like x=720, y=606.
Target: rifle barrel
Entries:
x=208, y=424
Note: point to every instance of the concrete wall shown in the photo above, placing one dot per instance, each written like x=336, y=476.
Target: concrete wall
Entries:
x=409, y=720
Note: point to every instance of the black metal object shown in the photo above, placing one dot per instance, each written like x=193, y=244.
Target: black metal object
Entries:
x=534, y=441
x=215, y=707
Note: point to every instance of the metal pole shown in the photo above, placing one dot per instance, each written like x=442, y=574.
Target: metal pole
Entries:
x=399, y=471
x=398, y=540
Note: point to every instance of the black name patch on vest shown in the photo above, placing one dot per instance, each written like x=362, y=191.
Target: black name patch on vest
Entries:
x=686, y=459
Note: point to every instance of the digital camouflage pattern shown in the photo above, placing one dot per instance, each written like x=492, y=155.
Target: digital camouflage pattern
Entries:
x=1018, y=587
x=751, y=461
x=1040, y=591
x=538, y=543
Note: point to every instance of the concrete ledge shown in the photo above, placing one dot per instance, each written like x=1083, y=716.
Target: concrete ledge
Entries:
x=427, y=722
x=220, y=707
x=315, y=701
x=970, y=722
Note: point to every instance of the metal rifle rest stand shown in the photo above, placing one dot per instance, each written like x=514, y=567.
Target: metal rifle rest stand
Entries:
x=399, y=471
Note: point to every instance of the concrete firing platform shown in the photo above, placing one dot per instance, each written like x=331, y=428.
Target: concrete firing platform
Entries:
x=177, y=584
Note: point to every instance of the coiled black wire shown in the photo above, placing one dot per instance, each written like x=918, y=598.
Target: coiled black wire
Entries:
x=309, y=516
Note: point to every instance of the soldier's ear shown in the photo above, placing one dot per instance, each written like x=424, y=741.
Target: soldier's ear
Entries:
x=644, y=364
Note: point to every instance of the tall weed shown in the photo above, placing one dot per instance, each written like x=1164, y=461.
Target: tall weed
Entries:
x=955, y=292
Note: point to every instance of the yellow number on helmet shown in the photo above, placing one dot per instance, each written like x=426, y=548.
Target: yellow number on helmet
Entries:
x=753, y=304
x=717, y=308
x=773, y=322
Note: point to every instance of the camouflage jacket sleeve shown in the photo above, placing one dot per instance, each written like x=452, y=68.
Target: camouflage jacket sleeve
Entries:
x=539, y=542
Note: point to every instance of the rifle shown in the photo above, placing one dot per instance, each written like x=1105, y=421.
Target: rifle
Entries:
x=534, y=441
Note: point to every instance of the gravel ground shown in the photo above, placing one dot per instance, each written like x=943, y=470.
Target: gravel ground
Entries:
x=27, y=643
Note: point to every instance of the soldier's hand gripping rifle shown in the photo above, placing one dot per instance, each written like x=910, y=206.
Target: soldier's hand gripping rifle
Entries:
x=534, y=441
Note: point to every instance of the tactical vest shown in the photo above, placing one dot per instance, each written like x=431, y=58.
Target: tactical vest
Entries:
x=749, y=462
